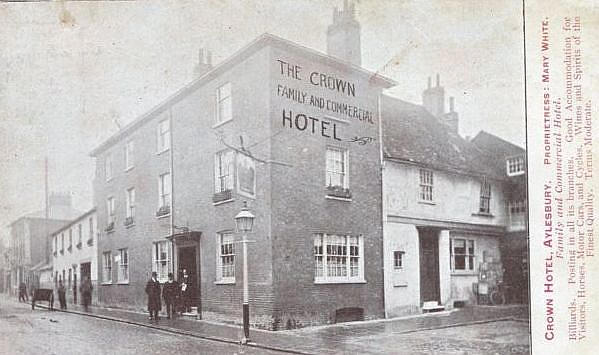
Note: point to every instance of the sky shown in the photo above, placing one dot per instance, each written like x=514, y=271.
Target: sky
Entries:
x=70, y=71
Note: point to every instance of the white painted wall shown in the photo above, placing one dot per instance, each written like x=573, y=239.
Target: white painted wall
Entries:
x=77, y=255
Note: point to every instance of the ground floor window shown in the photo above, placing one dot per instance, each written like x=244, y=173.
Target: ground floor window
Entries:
x=398, y=259
x=123, y=272
x=226, y=258
x=462, y=254
x=338, y=258
x=106, y=267
x=161, y=259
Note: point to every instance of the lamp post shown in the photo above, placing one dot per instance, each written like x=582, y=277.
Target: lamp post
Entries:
x=244, y=222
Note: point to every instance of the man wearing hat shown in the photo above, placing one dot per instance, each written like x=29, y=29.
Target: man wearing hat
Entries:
x=153, y=291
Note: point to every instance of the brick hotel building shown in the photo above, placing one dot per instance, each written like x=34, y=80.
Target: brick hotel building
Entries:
x=168, y=185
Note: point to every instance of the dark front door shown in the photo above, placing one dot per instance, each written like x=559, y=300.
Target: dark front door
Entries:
x=86, y=270
x=429, y=266
x=188, y=260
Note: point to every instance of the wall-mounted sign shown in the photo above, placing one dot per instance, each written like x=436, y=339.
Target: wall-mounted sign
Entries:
x=246, y=175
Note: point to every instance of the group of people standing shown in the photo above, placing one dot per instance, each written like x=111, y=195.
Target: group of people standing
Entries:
x=176, y=296
x=86, y=293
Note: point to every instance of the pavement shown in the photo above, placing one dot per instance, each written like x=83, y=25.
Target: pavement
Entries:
x=476, y=328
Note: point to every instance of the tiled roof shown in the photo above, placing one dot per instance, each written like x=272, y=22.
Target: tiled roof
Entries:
x=413, y=135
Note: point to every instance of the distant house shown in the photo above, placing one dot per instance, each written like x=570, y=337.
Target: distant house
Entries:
x=29, y=245
x=446, y=205
x=74, y=254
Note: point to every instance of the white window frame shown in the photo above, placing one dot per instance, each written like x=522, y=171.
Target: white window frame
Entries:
x=225, y=273
x=123, y=267
x=107, y=267
x=484, y=205
x=70, y=238
x=129, y=155
x=130, y=203
x=224, y=171
x=163, y=138
x=333, y=156
x=164, y=190
x=108, y=171
x=398, y=259
x=162, y=266
x=62, y=242
x=322, y=268
x=110, y=209
x=468, y=255
x=224, y=99
x=515, y=165
x=91, y=228
x=80, y=233
x=426, y=185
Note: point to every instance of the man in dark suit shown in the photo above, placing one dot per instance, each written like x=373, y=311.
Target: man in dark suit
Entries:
x=153, y=291
x=170, y=292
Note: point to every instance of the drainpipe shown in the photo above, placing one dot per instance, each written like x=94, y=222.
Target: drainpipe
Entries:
x=170, y=166
x=383, y=208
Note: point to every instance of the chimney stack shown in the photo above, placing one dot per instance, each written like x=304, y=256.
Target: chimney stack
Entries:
x=433, y=98
x=204, y=63
x=343, y=35
x=451, y=118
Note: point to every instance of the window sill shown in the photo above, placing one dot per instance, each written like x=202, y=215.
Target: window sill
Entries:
x=131, y=225
x=336, y=198
x=163, y=215
x=223, y=202
x=162, y=151
x=129, y=168
x=218, y=124
x=483, y=214
x=464, y=273
x=225, y=282
x=432, y=203
x=123, y=282
x=109, y=179
x=106, y=283
x=110, y=231
x=325, y=282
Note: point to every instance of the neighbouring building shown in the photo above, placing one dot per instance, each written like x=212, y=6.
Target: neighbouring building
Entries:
x=29, y=250
x=511, y=160
x=447, y=206
x=74, y=255
x=292, y=131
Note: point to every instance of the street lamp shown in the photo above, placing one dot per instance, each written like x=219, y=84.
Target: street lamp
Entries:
x=244, y=222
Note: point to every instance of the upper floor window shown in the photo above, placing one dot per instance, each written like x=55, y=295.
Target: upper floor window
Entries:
x=462, y=254
x=485, y=196
x=426, y=185
x=224, y=111
x=108, y=167
x=62, y=242
x=79, y=235
x=90, y=238
x=517, y=207
x=110, y=209
x=338, y=258
x=398, y=259
x=130, y=213
x=224, y=171
x=336, y=168
x=515, y=165
x=164, y=190
x=164, y=138
x=225, y=268
x=70, y=239
x=129, y=155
